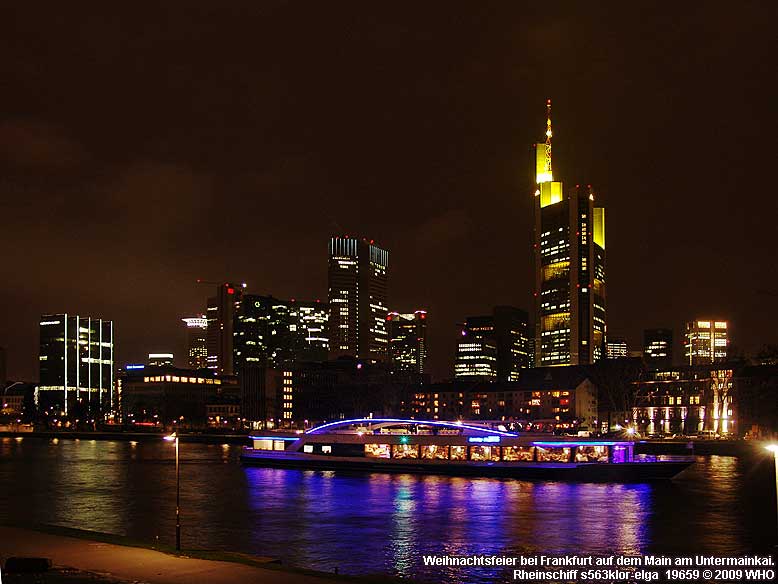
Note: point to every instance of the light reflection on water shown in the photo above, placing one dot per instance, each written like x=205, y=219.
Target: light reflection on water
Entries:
x=378, y=523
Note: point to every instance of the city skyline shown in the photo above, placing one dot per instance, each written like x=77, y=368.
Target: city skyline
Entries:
x=449, y=152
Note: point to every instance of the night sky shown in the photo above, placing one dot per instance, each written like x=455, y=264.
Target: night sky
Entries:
x=143, y=147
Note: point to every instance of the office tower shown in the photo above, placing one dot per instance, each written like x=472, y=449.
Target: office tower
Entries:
x=511, y=329
x=408, y=340
x=309, y=320
x=358, y=299
x=262, y=332
x=220, y=328
x=658, y=348
x=270, y=332
x=197, y=341
x=477, y=350
x=494, y=346
x=706, y=342
x=616, y=348
x=531, y=348
x=160, y=360
x=569, y=267
x=76, y=364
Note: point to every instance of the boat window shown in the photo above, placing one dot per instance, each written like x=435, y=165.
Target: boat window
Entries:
x=591, y=454
x=553, y=454
x=484, y=453
x=263, y=444
x=405, y=451
x=308, y=448
x=434, y=452
x=279, y=445
x=326, y=449
x=458, y=453
x=377, y=450
x=523, y=453
x=619, y=454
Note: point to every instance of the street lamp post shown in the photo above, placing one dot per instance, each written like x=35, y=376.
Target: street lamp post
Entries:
x=774, y=449
x=174, y=437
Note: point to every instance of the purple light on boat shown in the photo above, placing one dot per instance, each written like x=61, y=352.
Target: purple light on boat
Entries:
x=566, y=444
x=368, y=421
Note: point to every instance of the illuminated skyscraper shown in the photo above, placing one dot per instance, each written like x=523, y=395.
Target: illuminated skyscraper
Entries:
x=357, y=298
x=658, y=348
x=220, y=315
x=76, y=364
x=706, y=342
x=197, y=341
x=569, y=268
x=408, y=340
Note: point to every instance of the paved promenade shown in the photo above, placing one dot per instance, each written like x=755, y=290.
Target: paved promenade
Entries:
x=135, y=564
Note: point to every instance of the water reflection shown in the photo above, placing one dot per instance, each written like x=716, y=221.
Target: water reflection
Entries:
x=371, y=524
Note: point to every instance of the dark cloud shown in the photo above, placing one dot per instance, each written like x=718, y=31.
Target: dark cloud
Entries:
x=141, y=149
x=39, y=147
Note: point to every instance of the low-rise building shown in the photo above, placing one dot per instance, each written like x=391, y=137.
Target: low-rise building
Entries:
x=167, y=394
x=564, y=394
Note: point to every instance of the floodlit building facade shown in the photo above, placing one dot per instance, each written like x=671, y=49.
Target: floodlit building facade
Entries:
x=357, y=275
x=160, y=359
x=569, y=253
x=76, y=365
x=707, y=342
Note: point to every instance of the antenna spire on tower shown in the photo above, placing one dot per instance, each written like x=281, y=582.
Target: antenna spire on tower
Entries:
x=548, y=137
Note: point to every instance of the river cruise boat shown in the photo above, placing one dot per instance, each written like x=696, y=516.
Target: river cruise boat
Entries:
x=434, y=447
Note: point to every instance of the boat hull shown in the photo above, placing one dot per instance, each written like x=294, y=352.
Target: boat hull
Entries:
x=579, y=472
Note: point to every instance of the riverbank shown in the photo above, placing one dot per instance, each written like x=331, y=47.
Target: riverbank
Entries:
x=115, y=558
x=198, y=438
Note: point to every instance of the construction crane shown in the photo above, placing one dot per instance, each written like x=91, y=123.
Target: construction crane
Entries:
x=214, y=283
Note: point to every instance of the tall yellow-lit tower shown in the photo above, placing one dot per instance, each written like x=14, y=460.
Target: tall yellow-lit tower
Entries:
x=569, y=249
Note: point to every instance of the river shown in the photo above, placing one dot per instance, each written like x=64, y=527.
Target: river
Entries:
x=379, y=523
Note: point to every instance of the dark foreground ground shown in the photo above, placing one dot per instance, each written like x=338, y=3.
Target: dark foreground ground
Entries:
x=79, y=560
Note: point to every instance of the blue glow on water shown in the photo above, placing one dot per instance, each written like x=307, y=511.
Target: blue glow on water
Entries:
x=379, y=523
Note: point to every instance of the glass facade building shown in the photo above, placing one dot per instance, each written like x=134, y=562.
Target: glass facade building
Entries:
x=408, y=340
x=494, y=346
x=707, y=342
x=76, y=365
x=270, y=332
